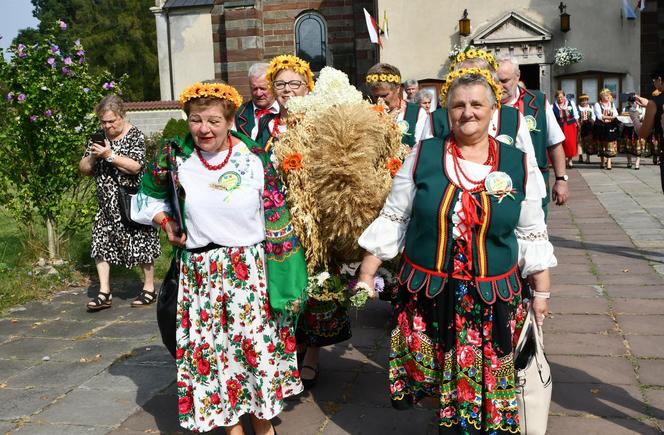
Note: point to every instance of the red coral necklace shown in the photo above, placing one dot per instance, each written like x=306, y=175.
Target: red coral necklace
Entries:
x=211, y=167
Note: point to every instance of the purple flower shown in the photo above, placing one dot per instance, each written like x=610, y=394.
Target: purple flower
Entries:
x=20, y=50
x=108, y=86
x=33, y=118
x=21, y=97
x=77, y=42
x=80, y=53
x=67, y=60
x=48, y=113
x=65, y=71
x=10, y=96
x=55, y=49
x=62, y=24
x=86, y=90
x=81, y=60
x=51, y=61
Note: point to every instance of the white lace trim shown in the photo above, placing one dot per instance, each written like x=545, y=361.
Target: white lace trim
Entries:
x=532, y=237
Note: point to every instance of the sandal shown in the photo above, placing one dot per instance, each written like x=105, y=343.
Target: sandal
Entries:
x=145, y=298
x=309, y=383
x=101, y=302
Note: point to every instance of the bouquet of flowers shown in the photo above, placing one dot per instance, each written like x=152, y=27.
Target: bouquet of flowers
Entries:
x=342, y=287
x=567, y=56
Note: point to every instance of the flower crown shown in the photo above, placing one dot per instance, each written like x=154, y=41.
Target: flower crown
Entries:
x=216, y=90
x=288, y=61
x=455, y=75
x=388, y=78
x=474, y=53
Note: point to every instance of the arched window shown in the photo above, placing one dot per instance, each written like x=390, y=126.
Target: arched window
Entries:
x=311, y=39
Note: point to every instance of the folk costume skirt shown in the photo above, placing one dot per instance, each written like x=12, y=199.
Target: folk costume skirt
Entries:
x=457, y=349
x=323, y=323
x=233, y=356
x=569, y=144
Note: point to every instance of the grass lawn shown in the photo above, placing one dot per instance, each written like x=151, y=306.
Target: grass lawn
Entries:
x=20, y=284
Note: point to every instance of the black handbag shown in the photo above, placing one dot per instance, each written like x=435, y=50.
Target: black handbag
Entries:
x=125, y=193
x=167, y=304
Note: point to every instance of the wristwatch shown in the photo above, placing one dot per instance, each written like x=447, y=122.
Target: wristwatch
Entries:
x=562, y=178
x=110, y=158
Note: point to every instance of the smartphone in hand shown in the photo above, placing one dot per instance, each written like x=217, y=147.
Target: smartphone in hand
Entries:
x=98, y=138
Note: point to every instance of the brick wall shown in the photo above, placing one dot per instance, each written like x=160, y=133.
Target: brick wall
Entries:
x=248, y=31
x=153, y=121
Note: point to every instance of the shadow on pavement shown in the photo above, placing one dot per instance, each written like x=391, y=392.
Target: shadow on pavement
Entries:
x=588, y=395
x=623, y=251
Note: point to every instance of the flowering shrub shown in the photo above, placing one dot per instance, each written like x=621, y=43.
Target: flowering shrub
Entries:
x=567, y=56
x=48, y=99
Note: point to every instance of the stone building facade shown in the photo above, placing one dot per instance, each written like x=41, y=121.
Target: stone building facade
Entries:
x=220, y=39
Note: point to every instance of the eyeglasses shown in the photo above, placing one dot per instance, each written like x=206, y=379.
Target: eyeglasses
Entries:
x=293, y=84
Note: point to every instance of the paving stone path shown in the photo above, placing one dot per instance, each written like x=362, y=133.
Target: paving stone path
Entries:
x=64, y=371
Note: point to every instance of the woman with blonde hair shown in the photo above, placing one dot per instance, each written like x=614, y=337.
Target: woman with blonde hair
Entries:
x=606, y=128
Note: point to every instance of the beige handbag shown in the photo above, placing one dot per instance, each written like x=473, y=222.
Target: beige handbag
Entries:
x=533, y=378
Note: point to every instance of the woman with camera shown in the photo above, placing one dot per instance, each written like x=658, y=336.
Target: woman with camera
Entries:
x=115, y=157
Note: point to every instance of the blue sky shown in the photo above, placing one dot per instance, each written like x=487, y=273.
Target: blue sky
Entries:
x=16, y=15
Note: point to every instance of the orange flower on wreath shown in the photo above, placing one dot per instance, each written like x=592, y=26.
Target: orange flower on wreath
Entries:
x=292, y=162
x=378, y=108
x=394, y=165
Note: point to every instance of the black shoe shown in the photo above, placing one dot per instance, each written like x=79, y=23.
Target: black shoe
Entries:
x=309, y=383
x=403, y=404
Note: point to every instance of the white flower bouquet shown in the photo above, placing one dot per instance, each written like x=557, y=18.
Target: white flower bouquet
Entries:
x=567, y=56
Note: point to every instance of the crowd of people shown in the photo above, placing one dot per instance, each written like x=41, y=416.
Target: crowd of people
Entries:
x=466, y=212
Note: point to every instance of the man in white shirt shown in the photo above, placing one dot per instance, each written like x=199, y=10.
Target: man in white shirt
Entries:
x=546, y=135
x=262, y=102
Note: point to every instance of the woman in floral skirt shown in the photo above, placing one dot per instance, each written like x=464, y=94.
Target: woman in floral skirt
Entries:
x=586, y=121
x=471, y=226
x=235, y=353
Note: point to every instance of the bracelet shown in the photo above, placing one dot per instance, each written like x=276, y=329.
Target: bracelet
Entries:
x=165, y=221
x=541, y=295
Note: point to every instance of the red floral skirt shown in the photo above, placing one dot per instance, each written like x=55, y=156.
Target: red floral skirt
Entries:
x=458, y=349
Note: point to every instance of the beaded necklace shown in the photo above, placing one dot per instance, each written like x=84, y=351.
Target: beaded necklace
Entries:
x=211, y=167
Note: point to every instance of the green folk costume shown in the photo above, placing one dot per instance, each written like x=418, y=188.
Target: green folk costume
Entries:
x=286, y=266
x=532, y=105
x=457, y=321
x=244, y=118
x=410, y=116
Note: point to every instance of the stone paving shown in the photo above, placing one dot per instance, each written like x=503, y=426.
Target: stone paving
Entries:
x=64, y=371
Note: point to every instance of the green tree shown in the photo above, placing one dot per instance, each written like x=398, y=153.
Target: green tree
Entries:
x=120, y=36
x=48, y=98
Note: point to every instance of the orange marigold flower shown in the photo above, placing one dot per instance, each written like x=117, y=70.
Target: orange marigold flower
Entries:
x=394, y=165
x=292, y=162
x=378, y=108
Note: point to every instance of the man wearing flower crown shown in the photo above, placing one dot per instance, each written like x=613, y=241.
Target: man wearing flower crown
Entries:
x=262, y=102
x=545, y=132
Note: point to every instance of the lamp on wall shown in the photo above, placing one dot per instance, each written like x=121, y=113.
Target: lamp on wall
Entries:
x=564, y=18
x=464, y=24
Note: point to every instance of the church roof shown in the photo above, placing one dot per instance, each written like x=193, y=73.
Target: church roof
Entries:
x=173, y=4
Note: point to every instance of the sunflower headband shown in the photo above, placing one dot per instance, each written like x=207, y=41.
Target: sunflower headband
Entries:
x=386, y=78
x=216, y=90
x=455, y=75
x=474, y=53
x=288, y=61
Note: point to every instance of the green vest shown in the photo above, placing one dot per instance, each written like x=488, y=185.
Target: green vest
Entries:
x=428, y=254
x=244, y=118
x=412, y=112
x=534, y=110
x=508, y=124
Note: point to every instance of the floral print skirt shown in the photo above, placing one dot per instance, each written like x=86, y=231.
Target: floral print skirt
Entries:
x=459, y=350
x=233, y=356
x=323, y=323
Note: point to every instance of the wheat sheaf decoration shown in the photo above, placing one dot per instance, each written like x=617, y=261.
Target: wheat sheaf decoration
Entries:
x=337, y=161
